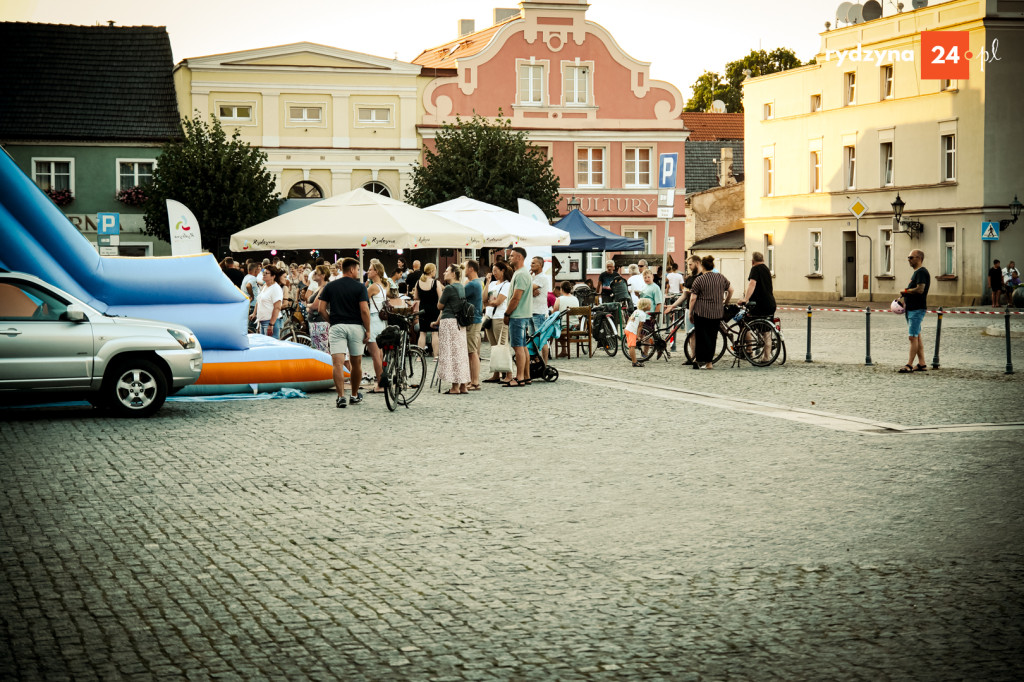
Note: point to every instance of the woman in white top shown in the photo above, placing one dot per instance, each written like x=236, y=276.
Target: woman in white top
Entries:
x=498, y=292
x=268, y=303
x=377, y=285
x=565, y=301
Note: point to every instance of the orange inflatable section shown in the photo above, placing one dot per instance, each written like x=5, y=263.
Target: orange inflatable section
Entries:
x=265, y=372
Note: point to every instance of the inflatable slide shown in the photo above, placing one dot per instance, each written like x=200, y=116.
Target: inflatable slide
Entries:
x=37, y=238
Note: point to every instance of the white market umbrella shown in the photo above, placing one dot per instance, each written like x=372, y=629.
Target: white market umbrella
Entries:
x=356, y=220
x=500, y=227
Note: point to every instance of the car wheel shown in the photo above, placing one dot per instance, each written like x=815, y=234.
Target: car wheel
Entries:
x=134, y=388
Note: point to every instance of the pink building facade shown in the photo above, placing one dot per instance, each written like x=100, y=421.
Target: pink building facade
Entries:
x=568, y=84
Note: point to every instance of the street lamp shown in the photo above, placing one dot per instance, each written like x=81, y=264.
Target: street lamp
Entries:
x=1015, y=207
x=913, y=228
x=573, y=204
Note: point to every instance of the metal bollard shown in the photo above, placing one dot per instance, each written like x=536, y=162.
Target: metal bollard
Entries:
x=1006, y=326
x=867, y=326
x=938, y=337
x=807, y=358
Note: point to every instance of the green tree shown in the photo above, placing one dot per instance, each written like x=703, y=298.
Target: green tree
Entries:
x=484, y=160
x=223, y=181
x=711, y=86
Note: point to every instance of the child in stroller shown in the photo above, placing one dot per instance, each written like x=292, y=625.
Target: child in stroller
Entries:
x=550, y=329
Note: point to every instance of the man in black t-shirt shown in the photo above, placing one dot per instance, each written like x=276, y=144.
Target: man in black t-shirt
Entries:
x=915, y=304
x=604, y=281
x=761, y=294
x=995, y=282
x=350, y=327
x=760, y=291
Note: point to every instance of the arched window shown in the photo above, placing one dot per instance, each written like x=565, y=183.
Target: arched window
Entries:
x=305, y=190
x=377, y=188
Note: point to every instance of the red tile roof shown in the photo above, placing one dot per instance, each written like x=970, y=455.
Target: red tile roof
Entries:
x=446, y=56
x=710, y=126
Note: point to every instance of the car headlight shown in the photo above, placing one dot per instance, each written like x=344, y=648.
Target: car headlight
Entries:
x=187, y=341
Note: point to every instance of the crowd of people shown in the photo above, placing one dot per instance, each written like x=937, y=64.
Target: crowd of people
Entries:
x=346, y=309
x=1003, y=281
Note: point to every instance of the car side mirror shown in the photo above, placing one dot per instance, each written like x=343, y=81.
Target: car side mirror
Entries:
x=74, y=314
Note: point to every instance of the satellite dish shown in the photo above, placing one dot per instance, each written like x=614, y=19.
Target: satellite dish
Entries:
x=872, y=10
x=856, y=14
x=718, y=106
x=918, y=4
x=842, y=11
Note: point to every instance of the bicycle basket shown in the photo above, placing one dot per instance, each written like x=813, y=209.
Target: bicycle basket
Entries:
x=389, y=338
x=731, y=311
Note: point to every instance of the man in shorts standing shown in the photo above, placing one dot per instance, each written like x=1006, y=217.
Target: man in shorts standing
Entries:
x=995, y=282
x=541, y=289
x=350, y=327
x=519, y=314
x=915, y=304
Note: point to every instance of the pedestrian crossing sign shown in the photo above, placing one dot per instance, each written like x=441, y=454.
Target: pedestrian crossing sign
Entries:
x=990, y=232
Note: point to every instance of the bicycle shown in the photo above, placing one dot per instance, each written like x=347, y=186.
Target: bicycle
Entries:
x=606, y=335
x=653, y=339
x=743, y=337
x=404, y=365
x=295, y=328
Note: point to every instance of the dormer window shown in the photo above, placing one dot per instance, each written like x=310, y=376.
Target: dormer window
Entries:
x=576, y=83
x=531, y=84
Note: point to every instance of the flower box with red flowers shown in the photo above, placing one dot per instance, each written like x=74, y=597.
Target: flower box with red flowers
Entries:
x=132, y=196
x=61, y=197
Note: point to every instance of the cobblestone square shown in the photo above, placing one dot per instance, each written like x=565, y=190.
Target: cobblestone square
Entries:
x=810, y=521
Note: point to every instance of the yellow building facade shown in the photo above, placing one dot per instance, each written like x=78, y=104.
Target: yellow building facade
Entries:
x=863, y=124
x=330, y=120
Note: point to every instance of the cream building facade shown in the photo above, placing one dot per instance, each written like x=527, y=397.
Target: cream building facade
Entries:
x=330, y=120
x=820, y=137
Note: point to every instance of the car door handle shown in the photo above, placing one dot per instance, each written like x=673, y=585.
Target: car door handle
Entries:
x=11, y=332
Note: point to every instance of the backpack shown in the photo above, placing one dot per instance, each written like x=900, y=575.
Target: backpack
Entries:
x=466, y=314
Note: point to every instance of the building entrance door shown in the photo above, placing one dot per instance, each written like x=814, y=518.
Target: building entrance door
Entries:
x=849, y=265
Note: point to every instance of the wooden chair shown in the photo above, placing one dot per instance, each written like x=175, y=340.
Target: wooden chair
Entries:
x=582, y=336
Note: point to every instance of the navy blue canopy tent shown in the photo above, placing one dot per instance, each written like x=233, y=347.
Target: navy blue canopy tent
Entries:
x=586, y=235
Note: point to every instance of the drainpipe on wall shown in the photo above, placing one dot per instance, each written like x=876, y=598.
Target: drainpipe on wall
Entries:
x=871, y=258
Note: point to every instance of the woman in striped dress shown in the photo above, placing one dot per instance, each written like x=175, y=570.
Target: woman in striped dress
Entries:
x=708, y=296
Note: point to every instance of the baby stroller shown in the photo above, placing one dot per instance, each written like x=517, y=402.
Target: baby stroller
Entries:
x=550, y=329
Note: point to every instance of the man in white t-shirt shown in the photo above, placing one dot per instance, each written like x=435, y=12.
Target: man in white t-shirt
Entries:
x=541, y=288
x=674, y=280
x=635, y=282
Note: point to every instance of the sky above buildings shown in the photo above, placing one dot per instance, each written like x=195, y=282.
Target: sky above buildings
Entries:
x=680, y=38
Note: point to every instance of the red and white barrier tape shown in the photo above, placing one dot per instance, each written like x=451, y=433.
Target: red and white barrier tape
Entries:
x=886, y=310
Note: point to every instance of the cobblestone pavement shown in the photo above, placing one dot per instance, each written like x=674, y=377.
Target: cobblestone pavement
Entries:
x=561, y=531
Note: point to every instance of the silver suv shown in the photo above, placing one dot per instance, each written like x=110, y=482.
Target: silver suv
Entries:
x=51, y=344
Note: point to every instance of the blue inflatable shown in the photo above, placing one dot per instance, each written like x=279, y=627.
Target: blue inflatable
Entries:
x=35, y=237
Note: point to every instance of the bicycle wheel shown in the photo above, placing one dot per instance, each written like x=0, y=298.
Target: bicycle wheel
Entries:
x=690, y=345
x=411, y=376
x=609, y=341
x=764, y=349
x=389, y=378
x=645, y=344
x=747, y=344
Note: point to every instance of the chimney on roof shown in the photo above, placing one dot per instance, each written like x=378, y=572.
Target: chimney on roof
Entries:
x=466, y=26
x=503, y=13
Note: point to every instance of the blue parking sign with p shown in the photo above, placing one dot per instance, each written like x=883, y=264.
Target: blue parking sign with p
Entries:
x=108, y=223
x=667, y=165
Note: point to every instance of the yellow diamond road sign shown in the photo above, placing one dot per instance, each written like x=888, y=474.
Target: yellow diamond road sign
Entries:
x=858, y=208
